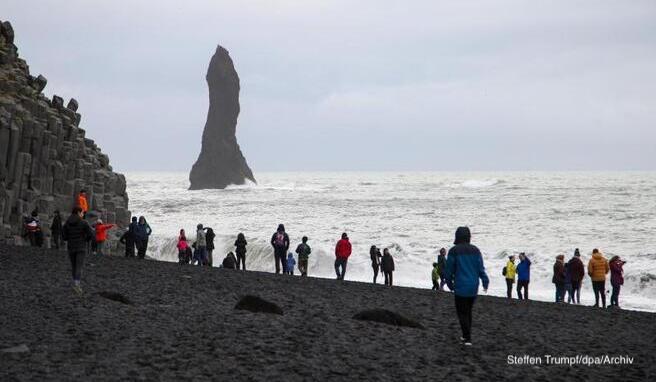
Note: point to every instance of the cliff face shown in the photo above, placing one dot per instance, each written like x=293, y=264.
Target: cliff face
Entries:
x=221, y=162
x=45, y=158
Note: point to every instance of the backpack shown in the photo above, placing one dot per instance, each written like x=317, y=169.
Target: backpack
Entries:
x=279, y=240
x=504, y=271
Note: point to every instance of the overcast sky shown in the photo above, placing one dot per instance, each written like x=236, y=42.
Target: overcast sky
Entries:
x=358, y=85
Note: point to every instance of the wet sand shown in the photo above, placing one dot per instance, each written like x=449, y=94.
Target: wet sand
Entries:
x=179, y=323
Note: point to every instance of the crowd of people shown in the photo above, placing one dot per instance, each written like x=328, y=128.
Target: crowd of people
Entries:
x=461, y=269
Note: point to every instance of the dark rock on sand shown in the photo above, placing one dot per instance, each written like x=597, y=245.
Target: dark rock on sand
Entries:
x=258, y=305
x=114, y=296
x=187, y=328
x=221, y=162
x=385, y=316
x=45, y=158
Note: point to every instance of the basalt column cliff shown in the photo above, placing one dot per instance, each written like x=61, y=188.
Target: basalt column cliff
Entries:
x=45, y=158
x=221, y=162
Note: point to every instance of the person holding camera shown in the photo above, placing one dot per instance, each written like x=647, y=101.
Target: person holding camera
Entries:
x=616, y=279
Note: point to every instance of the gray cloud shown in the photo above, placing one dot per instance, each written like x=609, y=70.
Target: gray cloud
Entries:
x=377, y=85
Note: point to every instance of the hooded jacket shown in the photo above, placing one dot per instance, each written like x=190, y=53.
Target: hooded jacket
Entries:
x=464, y=266
x=209, y=238
x=77, y=232
x=558, y=273
x=101, y=231
x=82, y=203
x=387, y=263
x=576, y=269
x=280, y=246
x=201, y=240
x=598, y=267
x=343, y=249
x=616, y=272
x=435, y=274
x=290, y=262
x=523, y=270
x=510, y=270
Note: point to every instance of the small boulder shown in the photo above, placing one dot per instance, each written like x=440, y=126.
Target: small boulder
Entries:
x=385, y=316
x=114, y=296
x=258, y=305
x=72, y=104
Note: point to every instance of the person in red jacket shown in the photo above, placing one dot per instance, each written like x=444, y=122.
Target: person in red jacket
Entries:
x=101, y=235
x=342, y=253
x=577, y=272
x=616, y=279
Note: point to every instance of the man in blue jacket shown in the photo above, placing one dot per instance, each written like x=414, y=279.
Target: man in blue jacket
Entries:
x=523, y=276
x=464, y=266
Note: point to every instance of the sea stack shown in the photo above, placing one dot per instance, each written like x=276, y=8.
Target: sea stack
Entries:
x=221, y=162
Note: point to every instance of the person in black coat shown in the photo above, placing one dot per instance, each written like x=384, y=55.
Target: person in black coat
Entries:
x=387, y=263
x=375, y=263
x=56, y=230
x=280, y=244
x=230, y=262
x=77, y=233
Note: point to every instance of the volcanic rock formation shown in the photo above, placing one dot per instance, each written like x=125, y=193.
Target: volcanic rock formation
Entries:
x=221, y=162
x=45, y=158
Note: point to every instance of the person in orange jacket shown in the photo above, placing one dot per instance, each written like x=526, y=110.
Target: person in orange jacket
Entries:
x=101, y=235
x=82, y=201
x=598, y=268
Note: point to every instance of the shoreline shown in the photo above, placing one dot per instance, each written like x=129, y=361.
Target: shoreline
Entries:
x=180, y=323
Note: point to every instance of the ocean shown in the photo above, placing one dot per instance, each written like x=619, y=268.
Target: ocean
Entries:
x=414, y=214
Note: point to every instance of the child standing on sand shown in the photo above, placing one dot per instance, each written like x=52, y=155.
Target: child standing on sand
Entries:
x=101, y=235
x=435, y=276
x=291, y=263
x=303, y=250
x=182, y=248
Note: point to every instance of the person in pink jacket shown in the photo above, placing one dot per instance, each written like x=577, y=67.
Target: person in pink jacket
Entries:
x=183, y=248
x=342, y=253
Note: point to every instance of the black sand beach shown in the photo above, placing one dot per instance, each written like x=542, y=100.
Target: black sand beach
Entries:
x=180, y=324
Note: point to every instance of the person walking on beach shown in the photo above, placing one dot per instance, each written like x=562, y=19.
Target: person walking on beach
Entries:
x=209, y=239
x=182, y=248
x=387, y=264
x=56, y=230
x=141, y=234
x=559, y=277
x=616, y=279
x=101, y=235
x=291, y=263
x=464, y=268
x=598, y=268
x=576, y=273
x=375, y=264
x=303, y=250
x=240, y=250
x=280, y=243
x=201, y=245
x=77, y=233
x=441, y=266
x=342, y=253
x=82, y=201
x=509, y=272
x=523, y=270
x=435, y=276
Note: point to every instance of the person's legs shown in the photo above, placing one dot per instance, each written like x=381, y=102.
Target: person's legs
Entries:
x=344, y=262
x=602, y=288
x=391, y=278
x=509, y=285
x=79, y=262
x=337, y=264
x=464, y=307
x=209, y=257
x=595, y=289
x=375, y=268
x=519, y=289
x=100, y=246
x=55, y=239
x=526, y=289
x=578, y=293
x=71, y=256
x=442, y=283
